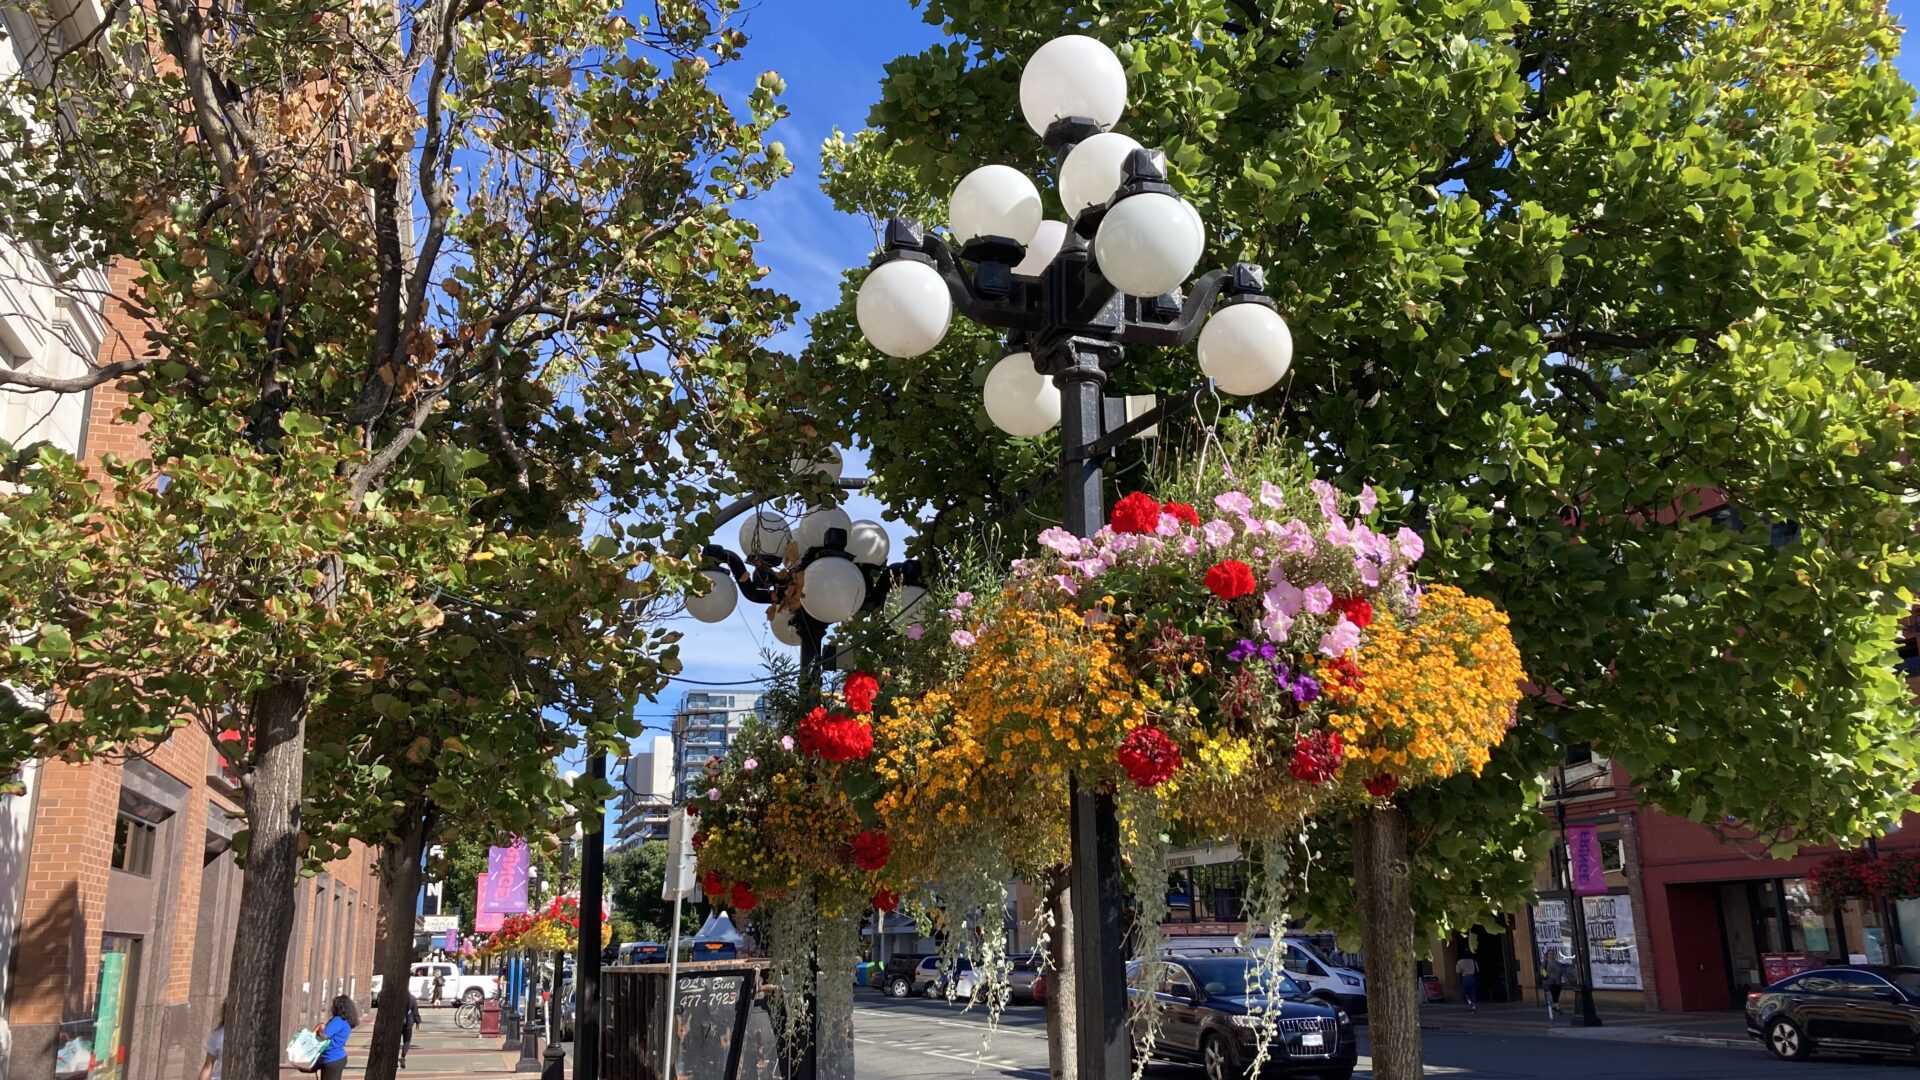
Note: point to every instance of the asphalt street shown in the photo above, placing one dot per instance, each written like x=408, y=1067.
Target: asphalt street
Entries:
x=934, y=1040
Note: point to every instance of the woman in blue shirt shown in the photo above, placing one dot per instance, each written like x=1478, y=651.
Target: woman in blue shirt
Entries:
x=346, y=1017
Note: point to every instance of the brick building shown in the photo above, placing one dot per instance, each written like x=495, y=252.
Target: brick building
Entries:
x=119, y=888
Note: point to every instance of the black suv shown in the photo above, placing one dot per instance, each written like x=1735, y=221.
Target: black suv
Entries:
x=1209, y=1015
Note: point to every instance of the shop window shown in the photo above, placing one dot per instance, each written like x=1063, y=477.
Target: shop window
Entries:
x=133, y=843
x=1613, y=855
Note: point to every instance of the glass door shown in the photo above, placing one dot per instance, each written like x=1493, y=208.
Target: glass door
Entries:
x=114, y=1008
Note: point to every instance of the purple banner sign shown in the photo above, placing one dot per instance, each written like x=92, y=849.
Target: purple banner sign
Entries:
x=506, y=889
x=453, y=941
x=1583, y=852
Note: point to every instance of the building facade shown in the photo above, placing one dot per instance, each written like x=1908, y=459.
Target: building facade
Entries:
x=646, y=795
x=704, y=725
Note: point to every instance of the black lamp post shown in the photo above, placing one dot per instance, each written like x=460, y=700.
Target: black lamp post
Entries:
x=1576, y=909
x=1071, y=298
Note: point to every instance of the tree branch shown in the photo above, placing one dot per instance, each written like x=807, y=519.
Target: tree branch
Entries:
x=27, y=382
x=1568, y=340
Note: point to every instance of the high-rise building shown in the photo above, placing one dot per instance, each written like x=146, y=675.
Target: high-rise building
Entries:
x=704, y=727
x=646, y=794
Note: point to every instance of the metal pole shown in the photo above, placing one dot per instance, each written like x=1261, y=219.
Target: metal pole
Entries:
x=1097, y=891
x=1576, y=913
x=586, y=1015
x=673, y=982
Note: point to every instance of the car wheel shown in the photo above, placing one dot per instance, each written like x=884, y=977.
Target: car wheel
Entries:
x=899, y=988
x=932, y=991
x=473, y=996
x=1216, y=1057
x=1786, y=1041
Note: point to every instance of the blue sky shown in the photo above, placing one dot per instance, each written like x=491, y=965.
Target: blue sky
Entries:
x=832, y=56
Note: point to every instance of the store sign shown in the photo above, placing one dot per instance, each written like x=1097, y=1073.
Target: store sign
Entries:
x=1780, y=965
x=438, y=924
x=1609, y=921
x=1583, y=854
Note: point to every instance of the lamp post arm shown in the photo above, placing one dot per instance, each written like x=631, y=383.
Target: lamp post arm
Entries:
x=1017, y=312
x=1193, y=315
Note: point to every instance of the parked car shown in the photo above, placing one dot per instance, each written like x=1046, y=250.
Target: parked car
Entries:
x=1325, y=979
x=1026, y=971
x=1209, y=1015
x=1857, y=1010
x=930, y=980
x=897, y=978
x=455, y=988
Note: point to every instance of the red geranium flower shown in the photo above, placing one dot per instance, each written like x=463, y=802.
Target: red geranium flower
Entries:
x=1148, y=756
x=860, y=691
x=1357, y=610
x=834, y=737
x=1381, y=786
x=743, y=898
x=1230, y=580
x=1182, y=513
x=886, y=899
x=871, y=850
x=1317, y=756
x=1136, y=513
x=713, y=885
x=699, y=840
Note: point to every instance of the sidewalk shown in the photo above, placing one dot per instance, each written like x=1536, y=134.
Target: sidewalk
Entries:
x=1617, y=1025
x=440, y=1051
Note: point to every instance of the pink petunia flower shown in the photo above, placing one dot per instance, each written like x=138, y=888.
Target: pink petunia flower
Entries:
x=786, y=742
x=1318, y=599
x=1285, y=598
x=962, y=638
x=1368, y=499
x=1217, y=532
x=1410, y=545
x=1341, y=640
x=1060, y=541
x=1168, y=526
x=1368, y=570
x=1189, y=545
x=1233, y=502
x=916, y=632
x=1296, y=539
x=961, y=600
x=713, y=794
x=1328, y=498
x=750, y=764
x=1066, y=584
x=1270, y=495
x=1276, y=626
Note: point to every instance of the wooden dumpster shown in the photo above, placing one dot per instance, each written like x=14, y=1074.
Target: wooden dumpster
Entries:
x=721, y=1027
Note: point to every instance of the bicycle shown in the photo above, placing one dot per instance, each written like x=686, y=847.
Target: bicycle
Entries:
x=467, y=1015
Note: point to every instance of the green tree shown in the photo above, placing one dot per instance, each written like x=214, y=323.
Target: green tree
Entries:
x=635, y=875
x=446, y=317
x=1570, y=276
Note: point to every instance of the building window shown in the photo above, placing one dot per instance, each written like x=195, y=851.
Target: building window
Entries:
x=1579, y=754
x=133, y=842
x=1613, y=855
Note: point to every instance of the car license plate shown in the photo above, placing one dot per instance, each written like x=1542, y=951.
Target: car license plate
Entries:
x=1312, y=1040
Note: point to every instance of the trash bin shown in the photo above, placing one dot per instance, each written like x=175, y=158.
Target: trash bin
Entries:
x=490, y=1019
x=721, y=1024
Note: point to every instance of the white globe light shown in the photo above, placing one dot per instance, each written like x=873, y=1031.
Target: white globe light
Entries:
x=718, y=603
x=1021, y=401
x=764, y=533
x=905, y=602
x=1042, y=248
x=867, y=542
x=1246, y=348
x=1147, y=244
x=994, y=200
x=785, y=630
x=1093, y=172
x=830, y=462
x=903, y=307
x=833, y=590
x=1199, y=226
x=811, y=532
x=1072, y=76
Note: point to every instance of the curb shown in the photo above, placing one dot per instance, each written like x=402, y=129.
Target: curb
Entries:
x=1711, y=1040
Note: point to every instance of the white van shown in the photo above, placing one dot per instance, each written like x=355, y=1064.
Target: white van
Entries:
x=1324, y=980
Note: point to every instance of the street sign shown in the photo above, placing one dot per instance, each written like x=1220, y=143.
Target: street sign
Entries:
x=681, y=858
x=439, y=924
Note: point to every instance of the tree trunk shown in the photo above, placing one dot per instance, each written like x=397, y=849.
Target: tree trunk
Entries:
x=259, y=971
x=393, y=955
x=1383, y=888
x=1061, y=1045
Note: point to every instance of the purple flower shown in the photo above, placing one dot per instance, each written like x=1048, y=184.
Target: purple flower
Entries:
x=1341, y=640
x=962, y=638
x=1233, y=502
x=1410, y=545
x=1270, y=495
x=750, y=764
x=1368, y=499
x=1245, y=650
x=1217, y=532
x=1306, y=689
x=1318, y=599
x=1060, y=541
x=914, y=633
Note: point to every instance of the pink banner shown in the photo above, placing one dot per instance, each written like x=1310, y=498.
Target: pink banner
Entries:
x=1583, y=853
x=484, y=921
x=505, y=891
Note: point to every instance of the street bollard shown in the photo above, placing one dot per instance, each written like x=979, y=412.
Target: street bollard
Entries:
x=554, y=1066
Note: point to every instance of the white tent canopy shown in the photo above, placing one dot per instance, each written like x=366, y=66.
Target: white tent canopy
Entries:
x=719, y=927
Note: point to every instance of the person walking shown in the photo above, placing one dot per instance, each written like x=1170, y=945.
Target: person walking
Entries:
x=439, y=986
x=407, y=1021
x=1469, y=971
x=216, y=1046
x=346, y=1017
x=1555, y=966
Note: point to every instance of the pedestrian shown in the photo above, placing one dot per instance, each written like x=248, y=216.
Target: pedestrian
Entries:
x=216, y=1045
x=1555, y=969
x=439, y=985
x=1469, y=971
x=407, y=1021
x=346, y=1017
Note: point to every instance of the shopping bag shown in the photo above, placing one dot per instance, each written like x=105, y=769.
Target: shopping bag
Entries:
x=305, y=1049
